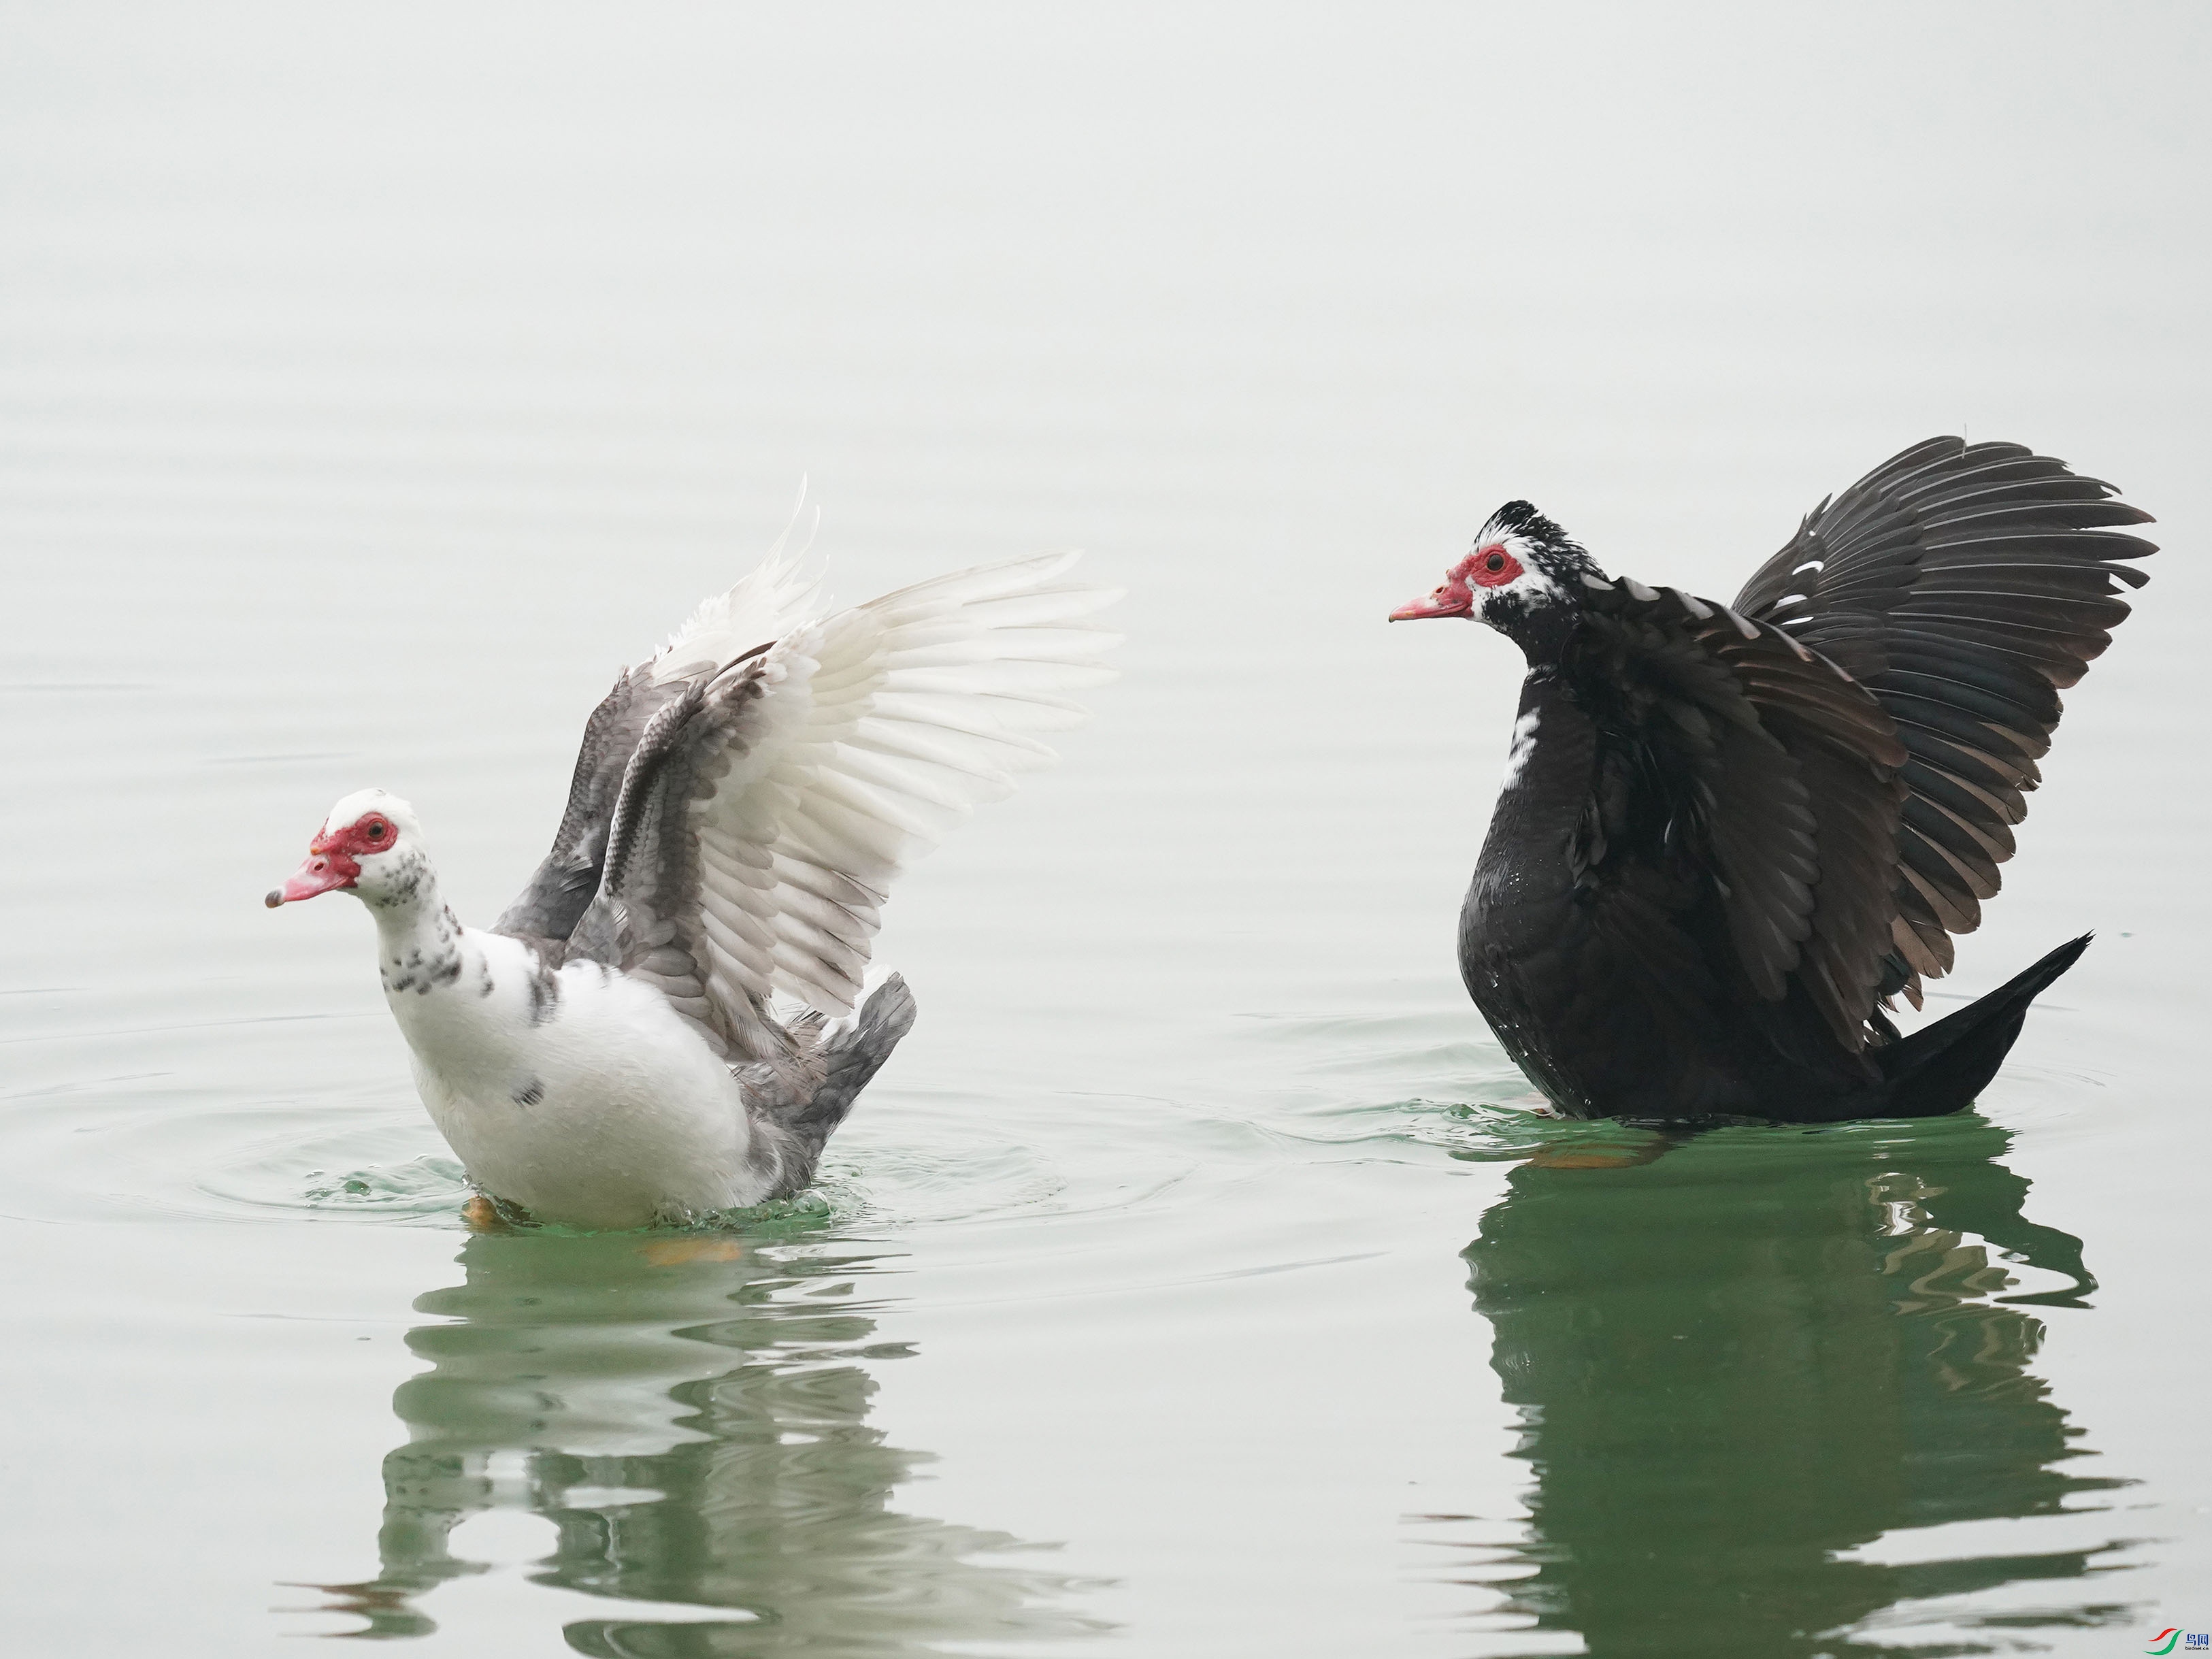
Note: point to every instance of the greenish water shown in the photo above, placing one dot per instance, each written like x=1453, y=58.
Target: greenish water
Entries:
x=1737, y=1371
x=1198, y=1280
x=1732, y=1374
x=773, y=1508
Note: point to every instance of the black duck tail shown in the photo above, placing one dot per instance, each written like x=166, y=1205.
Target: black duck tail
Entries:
x=850, y=1059
x=1941, y=1067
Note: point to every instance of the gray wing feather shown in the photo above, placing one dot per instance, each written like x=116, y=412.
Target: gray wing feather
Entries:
x=650, y=918
x=564, y=885
x=798, y=1104
x=744, y=819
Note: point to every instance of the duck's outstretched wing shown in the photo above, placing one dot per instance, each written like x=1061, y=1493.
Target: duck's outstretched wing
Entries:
x=766, y=603
x=768, y=806
x=565, y=882
x=1963, y=584
x=1746, y=787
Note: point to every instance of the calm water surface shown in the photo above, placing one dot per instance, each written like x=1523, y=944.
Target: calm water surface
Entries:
x=1199, y=1279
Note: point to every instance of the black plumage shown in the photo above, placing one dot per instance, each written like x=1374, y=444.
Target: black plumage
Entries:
x=1730, y=833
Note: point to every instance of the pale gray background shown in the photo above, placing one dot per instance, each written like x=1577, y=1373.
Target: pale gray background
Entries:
x=374, y=379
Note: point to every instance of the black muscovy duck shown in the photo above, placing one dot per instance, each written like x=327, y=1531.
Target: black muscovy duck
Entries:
x=1730, y=835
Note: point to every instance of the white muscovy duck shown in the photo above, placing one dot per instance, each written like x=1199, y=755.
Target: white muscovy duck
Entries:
x=663, y=1025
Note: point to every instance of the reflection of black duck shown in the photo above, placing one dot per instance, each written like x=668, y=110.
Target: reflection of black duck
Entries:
x=1729, y=836
x=693, y=1423
x=1762, y=1350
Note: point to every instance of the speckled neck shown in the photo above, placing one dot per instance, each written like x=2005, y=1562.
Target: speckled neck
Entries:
x=418, y=937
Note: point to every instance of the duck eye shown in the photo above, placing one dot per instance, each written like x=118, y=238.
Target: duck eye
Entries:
x=376, y=832
x=1495, y=562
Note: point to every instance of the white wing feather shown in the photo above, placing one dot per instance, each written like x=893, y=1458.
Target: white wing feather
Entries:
x=782, y=591
x=881, y=728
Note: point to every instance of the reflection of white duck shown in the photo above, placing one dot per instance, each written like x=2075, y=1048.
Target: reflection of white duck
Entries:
x=607, y=1054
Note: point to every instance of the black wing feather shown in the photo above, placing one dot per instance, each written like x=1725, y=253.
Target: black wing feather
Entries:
x=1791, y=800
x=1964, y=585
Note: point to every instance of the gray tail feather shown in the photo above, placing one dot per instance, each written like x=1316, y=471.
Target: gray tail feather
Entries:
x=852, y=1058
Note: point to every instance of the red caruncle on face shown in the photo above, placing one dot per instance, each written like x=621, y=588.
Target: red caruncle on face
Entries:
x=333, y=861
x=371, y=832
x=1490, y=566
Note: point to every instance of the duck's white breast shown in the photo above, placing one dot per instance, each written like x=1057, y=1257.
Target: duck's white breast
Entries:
x=579, y=1094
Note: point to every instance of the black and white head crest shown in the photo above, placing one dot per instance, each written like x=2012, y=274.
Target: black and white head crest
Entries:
x=1525, y=578
x=1536, y=542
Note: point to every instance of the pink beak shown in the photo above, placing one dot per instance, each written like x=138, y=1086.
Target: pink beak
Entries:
x=323, y=872
x=1449, y=600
